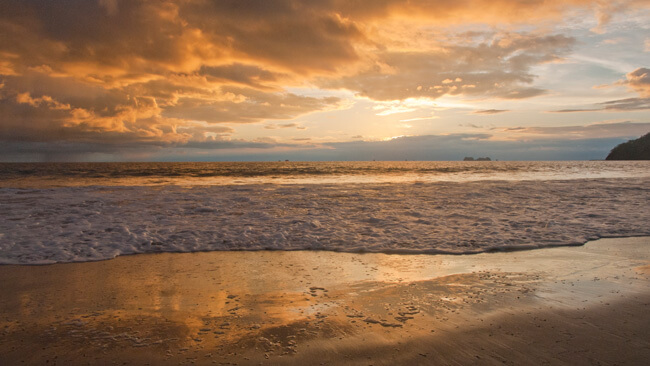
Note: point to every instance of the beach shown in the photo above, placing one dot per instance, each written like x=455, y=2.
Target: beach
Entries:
x=324, y=182
x=577, y=305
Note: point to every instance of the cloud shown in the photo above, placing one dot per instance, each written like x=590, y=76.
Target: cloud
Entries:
x=490, y=111
x=27, y=117
x=282, y=125
x=456, y=146
x=136, y=68
x=248, y=75
x=639, y=81
x=136, y=150
x=253, y=106
x=38, y=107
x=45, y=100
x=472, y=125
x=109, y=5
x=117, y=41
x=619, y=105
x=521, y=143
x=586, y=142
x=591, y=131
x=419, y=119
x=218, y=144
x=159, y=73
x=497, y=68
x=572, y=110
x=485, y=11
x=605, y=10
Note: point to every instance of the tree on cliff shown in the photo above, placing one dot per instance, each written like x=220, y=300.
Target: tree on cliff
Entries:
x=638, y=149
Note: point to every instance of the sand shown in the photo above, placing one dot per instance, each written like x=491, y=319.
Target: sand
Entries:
x=569, y=305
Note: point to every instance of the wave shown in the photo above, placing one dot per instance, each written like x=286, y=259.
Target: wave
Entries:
x=71, y=224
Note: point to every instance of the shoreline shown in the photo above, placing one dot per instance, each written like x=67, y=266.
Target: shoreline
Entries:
x=404, y=252
x=273, y=307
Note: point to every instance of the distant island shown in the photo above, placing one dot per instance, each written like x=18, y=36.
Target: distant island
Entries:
x=469, y=158
x=638, y=149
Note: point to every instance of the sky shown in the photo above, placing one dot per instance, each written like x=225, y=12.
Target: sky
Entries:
x=243, y=80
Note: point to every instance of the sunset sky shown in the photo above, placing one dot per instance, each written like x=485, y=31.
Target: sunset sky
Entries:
x=189, y=80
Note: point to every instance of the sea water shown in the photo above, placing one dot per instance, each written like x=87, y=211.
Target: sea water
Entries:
x=56, y=212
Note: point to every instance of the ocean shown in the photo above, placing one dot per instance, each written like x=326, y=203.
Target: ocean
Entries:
x=71, y=212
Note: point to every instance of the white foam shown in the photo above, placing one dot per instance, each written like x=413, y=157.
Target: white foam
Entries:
x=72, y=224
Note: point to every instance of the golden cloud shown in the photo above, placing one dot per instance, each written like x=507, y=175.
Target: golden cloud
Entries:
x=639, y=81
x=160, y=72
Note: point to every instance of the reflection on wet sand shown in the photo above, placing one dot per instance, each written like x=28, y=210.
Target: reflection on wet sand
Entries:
x=323, y=307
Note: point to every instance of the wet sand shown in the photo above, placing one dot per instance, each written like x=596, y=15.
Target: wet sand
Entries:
x=570, y=305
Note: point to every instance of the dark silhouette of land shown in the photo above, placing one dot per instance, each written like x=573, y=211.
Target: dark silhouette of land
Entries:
x=638, y=149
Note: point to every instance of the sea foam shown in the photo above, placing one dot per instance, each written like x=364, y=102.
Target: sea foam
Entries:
x=71, y=224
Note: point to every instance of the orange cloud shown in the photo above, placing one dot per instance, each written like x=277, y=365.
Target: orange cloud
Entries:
x=489, y=68
x=25, y=98
x=639, y=81
x=161, y=72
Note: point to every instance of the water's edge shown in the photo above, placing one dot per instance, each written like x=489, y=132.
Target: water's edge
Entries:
x=79, y=224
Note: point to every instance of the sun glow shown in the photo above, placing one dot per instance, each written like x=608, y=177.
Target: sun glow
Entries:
x=199, y=78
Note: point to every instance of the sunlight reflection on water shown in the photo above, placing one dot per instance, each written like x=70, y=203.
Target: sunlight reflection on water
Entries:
x=41, y=175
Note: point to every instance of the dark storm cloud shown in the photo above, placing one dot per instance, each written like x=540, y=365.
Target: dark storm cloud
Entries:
x=629, y=104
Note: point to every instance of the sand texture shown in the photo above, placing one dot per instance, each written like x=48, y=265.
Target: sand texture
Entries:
x=562, y=306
